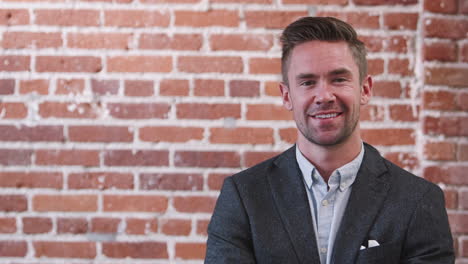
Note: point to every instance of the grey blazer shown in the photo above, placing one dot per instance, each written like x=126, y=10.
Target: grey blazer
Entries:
x=262, y=216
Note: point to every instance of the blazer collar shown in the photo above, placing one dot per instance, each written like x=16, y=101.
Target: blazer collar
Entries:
x=366, y=198
x=289, y=195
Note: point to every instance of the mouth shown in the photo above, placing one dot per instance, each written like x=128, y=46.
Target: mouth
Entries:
x=326, y=116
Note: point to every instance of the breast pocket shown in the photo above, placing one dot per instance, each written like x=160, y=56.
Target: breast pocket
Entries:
x=386, y=253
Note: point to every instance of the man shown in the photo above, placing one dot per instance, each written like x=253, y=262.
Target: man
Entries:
x=331, y=198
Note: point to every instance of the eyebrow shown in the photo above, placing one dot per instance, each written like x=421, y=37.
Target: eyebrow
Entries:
x=339, y=71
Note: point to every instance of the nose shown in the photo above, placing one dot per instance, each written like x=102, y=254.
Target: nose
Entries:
x=324, y=94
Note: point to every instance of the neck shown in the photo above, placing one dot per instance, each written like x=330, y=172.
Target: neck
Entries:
x=327, y=159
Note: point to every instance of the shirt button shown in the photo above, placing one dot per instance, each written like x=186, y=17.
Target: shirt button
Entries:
x=324, y=202
x=323, y=250
x=343, y=186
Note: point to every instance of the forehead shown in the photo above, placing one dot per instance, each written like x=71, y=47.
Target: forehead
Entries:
x=318, y=56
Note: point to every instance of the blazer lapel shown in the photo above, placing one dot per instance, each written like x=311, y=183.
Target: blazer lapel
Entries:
x=366, y=198
x=290, y=197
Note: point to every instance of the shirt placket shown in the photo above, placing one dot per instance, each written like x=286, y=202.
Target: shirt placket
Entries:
x=324, y=220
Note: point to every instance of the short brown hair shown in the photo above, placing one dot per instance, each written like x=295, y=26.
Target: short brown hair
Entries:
x=323, y=29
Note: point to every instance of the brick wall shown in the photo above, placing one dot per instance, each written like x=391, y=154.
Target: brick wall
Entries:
x=120, y=119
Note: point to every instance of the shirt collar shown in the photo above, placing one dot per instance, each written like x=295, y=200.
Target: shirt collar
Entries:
x=346, y=174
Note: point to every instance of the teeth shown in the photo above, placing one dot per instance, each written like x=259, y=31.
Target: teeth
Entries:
x=326, y=116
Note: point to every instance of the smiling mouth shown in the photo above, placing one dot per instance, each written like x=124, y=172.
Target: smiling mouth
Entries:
x=326, y=116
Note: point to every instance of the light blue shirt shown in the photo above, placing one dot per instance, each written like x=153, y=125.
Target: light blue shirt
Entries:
x=327, y=206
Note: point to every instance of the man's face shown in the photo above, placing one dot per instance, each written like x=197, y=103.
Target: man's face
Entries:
x=324, y=92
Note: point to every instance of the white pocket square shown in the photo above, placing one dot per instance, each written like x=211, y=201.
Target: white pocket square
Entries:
x=370, y=243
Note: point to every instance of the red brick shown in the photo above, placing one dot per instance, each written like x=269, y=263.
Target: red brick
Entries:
x=440, y=51
x=400, y=67
x=171, y=134
x=462, y=101
x=458, y=222
x=36, y=225
x=207, y=159
x=405, y=113
x=316, y=2
x=170, y=87
x=463, y=7
x=373, y=43
x=265, y=65
x=202, y=64
x=372, y=113
x=439, y=151
x=462, y=152
x=64, y=17
x=7, y=86
x=13, y=110
x=72, y=225
x=439, y=100
x=241, y=42
x=408, y=161
x=39, y=86
x=87, y=64
x=64, y=203
x=138, y=110
x=135, y=203
x=437, y=27
x=65, y=249
x=207, y=111
x=441, y=6
x=12, y=17
x=389, y=136
x=390, y=89
x=139, y=250
x=272, y=19
x=375, y=66
x=105, y=87
x=10, y=157
x=194, y=204
x=385, y=2
x=68, y=110
x=187, y=250
x=171, y=181
x=13, y=63
x=7, y=225
x=136, y=157
x=100, y=180
x=288, y=135
x=446, y=174
x=27, y=133
x=168, y=42
x=13, y=203
x=449, y=126
x=67, y=157
x=171, y=1
x=464, y=52
x=215, y=180
x=176, y=227
x=252, y=158
x=99, y=40
x=243, y=1
x=241, y=135
x=139, y=88
x=209, y=87
x=139, y=64
x=267, y=112
x=31, y=40
x=401, y=21
x=450, y=76
x=210, y=18
x=451, y=199
x=272, y=88
x=136, y=18
x=99, y=134
x=398, y=44
x=105, y=225
x=70, y=86
x=355, y=19
x=138, y=226
x=31, y=179
x=13, y=248
x=464, y=199
x=244, y=88
x=202, y=227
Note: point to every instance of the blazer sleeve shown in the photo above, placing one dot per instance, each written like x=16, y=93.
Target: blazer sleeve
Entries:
x=428, y=239
x=229, y=234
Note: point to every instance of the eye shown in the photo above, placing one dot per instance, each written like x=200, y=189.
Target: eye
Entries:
x=339, y=80
x=307, y=83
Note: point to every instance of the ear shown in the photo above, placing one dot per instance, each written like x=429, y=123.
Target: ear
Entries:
x=366, y=90
x=286, y=96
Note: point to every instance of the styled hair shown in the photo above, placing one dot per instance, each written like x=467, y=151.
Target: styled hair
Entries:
x=322, y=29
